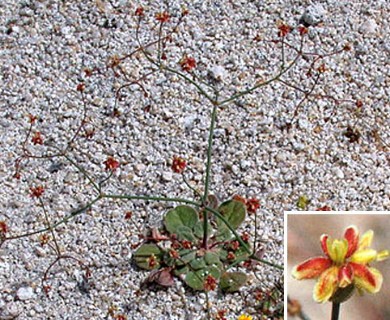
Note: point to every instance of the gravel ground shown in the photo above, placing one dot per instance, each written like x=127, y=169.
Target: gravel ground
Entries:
x=261, y=149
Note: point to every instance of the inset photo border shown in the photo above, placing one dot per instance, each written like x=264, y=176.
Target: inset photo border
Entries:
x=306, y=233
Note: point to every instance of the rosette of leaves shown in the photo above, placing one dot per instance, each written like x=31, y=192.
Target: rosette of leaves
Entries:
x=186, y=258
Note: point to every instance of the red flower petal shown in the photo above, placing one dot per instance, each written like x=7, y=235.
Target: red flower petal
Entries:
x=324, y=246
x=345, y=275
x=367, y=278
x=352, y=236
x=311, y=268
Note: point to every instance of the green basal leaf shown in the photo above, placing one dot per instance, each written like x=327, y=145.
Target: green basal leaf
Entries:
x=180, y=216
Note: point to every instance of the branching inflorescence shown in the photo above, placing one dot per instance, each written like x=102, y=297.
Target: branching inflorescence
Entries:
x=200, y=241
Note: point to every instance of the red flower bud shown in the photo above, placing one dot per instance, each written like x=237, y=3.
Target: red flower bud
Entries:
x=178, y=164
x=36, y=192
x=111, y=164
x=37, y=138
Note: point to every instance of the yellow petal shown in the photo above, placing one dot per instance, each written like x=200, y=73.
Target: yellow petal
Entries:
x=337, y=250
x=364, y=256
x=326, y=285
x=367, y=278
x=366, y=240
x=383, y=255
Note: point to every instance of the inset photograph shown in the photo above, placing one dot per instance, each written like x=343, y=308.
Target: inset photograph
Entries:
x=337, y=265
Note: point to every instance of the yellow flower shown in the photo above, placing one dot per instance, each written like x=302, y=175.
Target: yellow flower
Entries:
x=244, y=317
x=346, y=264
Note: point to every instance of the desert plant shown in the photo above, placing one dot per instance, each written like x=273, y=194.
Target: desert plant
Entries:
x=191, y=258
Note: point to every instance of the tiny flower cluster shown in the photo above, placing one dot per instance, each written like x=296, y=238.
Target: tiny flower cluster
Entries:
x=36, y=192
x=210, y=283
x=163, y=17
x=187, y=63
x=251, y=204
x=178, y=164
x=3, y=227
x=37, y=138
x=111, y=164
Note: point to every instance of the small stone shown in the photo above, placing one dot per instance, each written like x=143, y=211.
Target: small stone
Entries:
x=40, y=252
x=218, y=73
x=38, y=308
x=313, y=15
x=235, y=169
x=190, y=121
x=281, y=156
x=339, y=173
x=244, y=164
x=25, y=293
x=298, y=146
x=167, y=176
x=139, y=168
x=368, y=27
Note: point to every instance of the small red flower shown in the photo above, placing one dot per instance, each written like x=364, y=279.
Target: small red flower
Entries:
x=252, y=205
x=139, y=12
x=152, y=262
x=221, y=315
x=88, y=72
x=174, y=254
x=185, y=12
x=186, y=244
x=111, y=164
x=175, y=245
x=163, y=17
x=187, y=63
x=128, y=215
x=234, y=245
x=81, y=87
x=245, y=237
x=46, y=289
x=259, y=296
x=36, y=192
x=44, y=239
x=324, y=208
x=347, y=47
x=3, y=227
x=322, y=68
x=178, y=164
x=37, y=138
x=359, y=104
x=236, y=197
x=120, y=317
x=210, y=283
x=32, y=118
x=284, y=30
x=303, y=30
x=247, y=264
x=231, y=255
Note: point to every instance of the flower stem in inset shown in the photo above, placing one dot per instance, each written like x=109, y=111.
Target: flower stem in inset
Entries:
x=335, y=310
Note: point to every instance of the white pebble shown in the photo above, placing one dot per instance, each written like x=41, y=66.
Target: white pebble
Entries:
x=339, y=173
x=218, y=73
x=314, y=14
x=25, y=293
x=167, y=176
x=368, y=27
